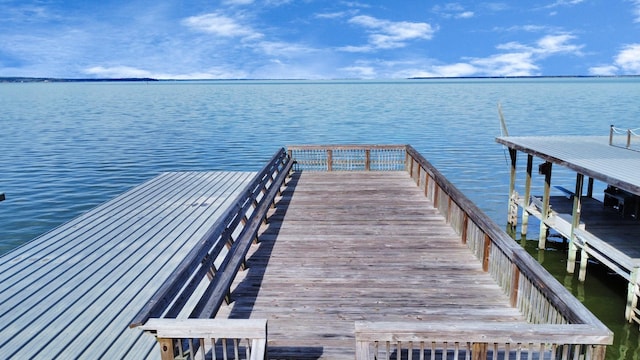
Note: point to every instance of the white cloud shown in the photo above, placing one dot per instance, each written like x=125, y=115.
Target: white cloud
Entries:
x=356, y=49
x=132, y=72
x=275, y=48
x=386, y=34
x=517, y=60
x=454, y=70
x=628, y=60
x=363, y=72
x=636, y=10
x=355, y=4
x=564, y=3
x=220, y=25
x=526, y=28
x=452, y=10
x=556, y=44
x=237, y=2
x=510, y=64
x=604, y=70
x=117, y=72
x=336, y=15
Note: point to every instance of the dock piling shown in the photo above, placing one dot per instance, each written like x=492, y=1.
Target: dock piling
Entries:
x=544, y=228
x=527, y=196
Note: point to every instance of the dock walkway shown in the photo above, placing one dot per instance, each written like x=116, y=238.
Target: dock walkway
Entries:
x=376, y=256
x=342, y=247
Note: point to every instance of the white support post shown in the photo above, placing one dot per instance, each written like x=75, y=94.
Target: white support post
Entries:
x=513, y=198
x=527, y=195
x=632, y=298
x=575, y=222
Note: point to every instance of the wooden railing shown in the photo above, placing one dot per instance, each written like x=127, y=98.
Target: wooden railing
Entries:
x=348, y=157
x=557, y=322
x=218, y=256
x=464, y=340
x=210, y=338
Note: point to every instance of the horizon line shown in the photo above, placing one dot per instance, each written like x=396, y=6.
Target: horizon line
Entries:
x=6, y=79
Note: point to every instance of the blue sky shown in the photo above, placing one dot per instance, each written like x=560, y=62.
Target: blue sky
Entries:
x=317, y=39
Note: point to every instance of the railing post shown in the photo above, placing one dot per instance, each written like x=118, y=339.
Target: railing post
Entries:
x=479, y=351
x=329, y=160
x=515, y=284
x=611, y=135
x=628, y=138
x=485, y=254
x=362, y=350
x=367, y=159
x=166, y=348
x=465, y=225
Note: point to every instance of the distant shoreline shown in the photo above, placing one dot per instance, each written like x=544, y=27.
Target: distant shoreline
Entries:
x=45, y=80
x=58, y=80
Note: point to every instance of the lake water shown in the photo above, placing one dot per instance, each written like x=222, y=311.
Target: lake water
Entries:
x=67, y=147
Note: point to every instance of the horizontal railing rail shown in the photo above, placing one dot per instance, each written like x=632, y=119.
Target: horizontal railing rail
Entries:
x=464, y=340
x=210, y=338
x=348, y=157
x=219, y=255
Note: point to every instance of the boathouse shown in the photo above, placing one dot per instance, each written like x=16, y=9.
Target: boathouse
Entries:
x=605, y=228
x=328, y=252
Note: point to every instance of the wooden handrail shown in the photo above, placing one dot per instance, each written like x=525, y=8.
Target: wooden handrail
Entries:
x=174, y=293
x=460, y=339
x=571, y=309
x=199, y=336
x=348, y=157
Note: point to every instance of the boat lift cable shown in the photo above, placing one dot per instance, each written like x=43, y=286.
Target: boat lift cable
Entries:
x=503, y=130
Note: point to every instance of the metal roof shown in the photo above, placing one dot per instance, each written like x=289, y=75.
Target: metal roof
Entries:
x=588, y=155
x=72, y=292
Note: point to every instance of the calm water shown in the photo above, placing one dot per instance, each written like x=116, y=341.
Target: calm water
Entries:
x=67, y=147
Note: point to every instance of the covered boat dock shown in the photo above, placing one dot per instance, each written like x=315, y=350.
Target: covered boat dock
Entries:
x=606, y=229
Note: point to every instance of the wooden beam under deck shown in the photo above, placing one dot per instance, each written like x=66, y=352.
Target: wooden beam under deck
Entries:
x=342, y=247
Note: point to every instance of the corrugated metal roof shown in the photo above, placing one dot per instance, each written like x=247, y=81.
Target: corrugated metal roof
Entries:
x=588, y=155
x=72, y=292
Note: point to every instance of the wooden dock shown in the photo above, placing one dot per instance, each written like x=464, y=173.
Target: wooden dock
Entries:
x=370, y=253
x=606, y=231
x=343, y=247
x=329, y=252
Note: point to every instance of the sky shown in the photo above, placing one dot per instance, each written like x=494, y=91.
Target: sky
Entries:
x=317, y=39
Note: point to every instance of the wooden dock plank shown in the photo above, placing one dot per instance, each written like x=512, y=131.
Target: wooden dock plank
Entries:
x=606, y=224
x=343, y=247
x=72, y=292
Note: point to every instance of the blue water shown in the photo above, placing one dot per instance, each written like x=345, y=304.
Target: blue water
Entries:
x=67, y=147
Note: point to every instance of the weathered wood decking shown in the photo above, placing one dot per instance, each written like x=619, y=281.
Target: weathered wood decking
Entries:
x=72, y=292
x=342, y=247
